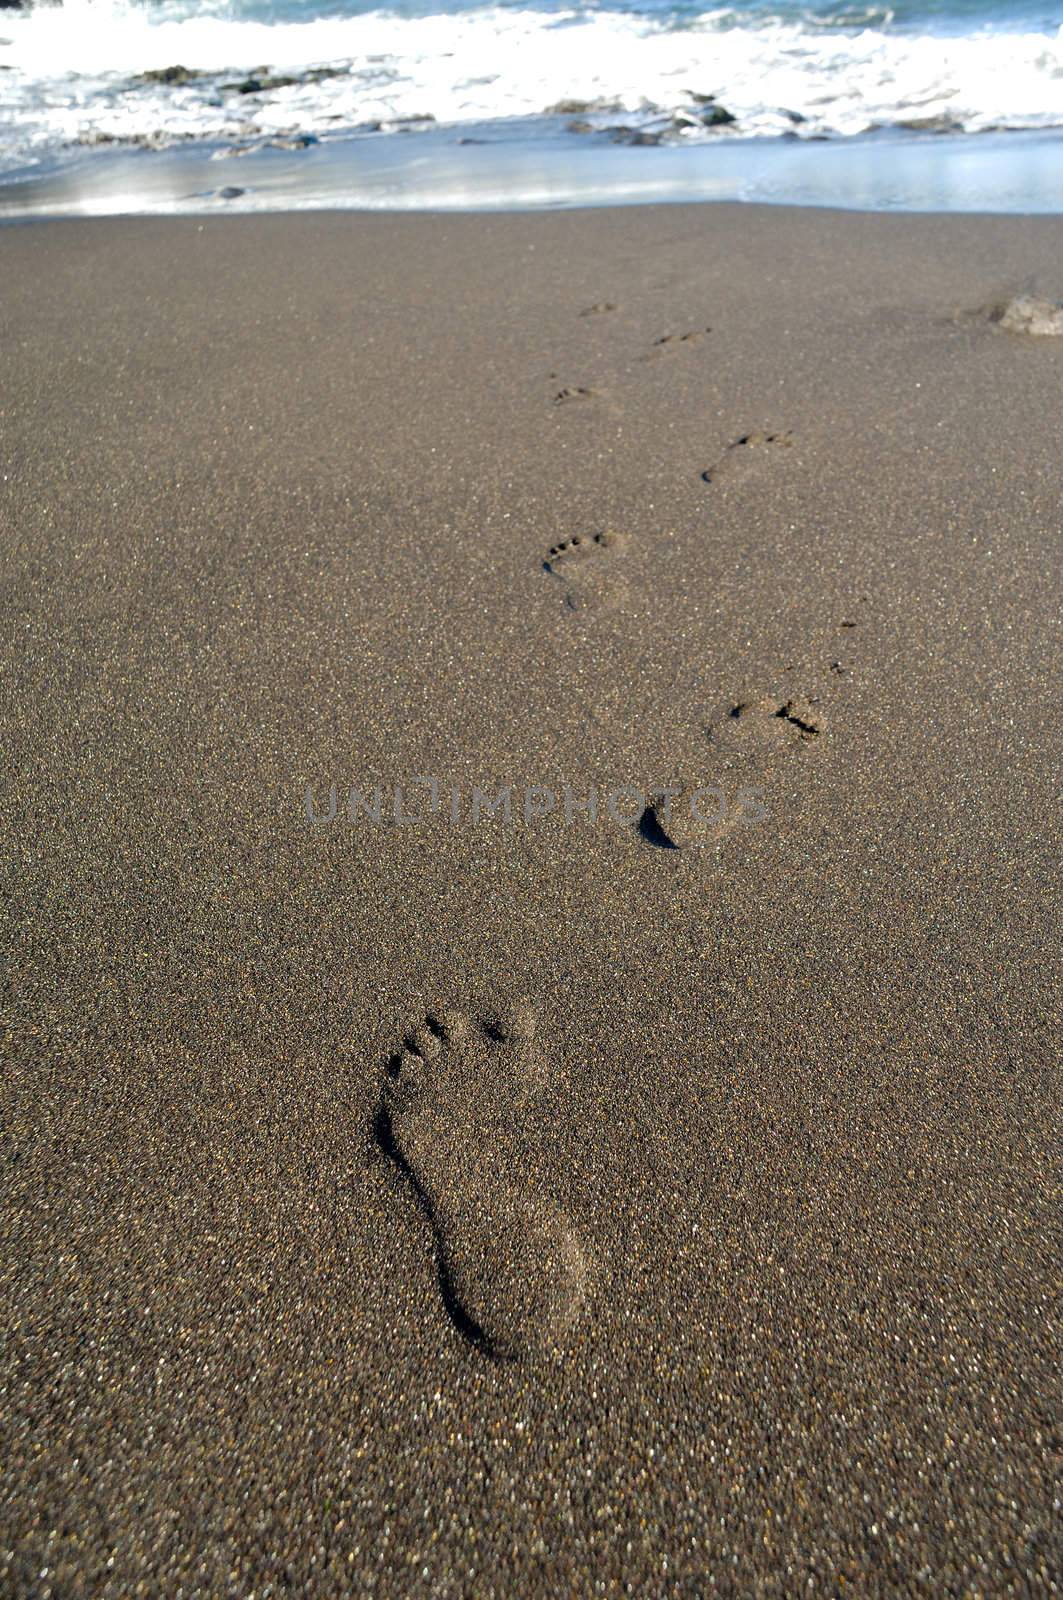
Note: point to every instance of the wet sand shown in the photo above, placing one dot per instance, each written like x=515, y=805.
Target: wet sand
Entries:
x=566, y=1205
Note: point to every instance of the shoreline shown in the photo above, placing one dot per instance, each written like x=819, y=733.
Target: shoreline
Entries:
x=432, y=170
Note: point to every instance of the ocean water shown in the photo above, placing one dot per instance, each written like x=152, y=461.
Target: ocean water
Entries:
x=97, y=78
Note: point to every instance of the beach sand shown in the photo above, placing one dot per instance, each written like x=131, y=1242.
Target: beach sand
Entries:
x=566, y=1206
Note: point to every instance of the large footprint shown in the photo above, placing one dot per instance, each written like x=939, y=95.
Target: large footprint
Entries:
x=453, y=1117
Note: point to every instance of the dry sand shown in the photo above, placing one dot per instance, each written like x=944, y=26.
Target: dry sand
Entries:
x=700, y=1237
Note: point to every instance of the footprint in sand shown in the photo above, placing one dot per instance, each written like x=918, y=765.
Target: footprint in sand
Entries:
x=580, y=400
x=757, y=735
x=753, y=739
x=669, y=343
x=455, y=1117
x=567, y=396
x=749, y=740
x=586, y=565
x=740, y=450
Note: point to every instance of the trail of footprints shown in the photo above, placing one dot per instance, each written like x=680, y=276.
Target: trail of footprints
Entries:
x=456, y=1102
x=753, y=734
x=459, y=1093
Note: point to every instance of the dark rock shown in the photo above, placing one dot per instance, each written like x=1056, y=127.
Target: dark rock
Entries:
x=712, y=114
x=716, y=117
x=262, y=80
x=579, y=127
x=169, y=75
x=230, y=192
x=942, y=123
x=261, y=85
